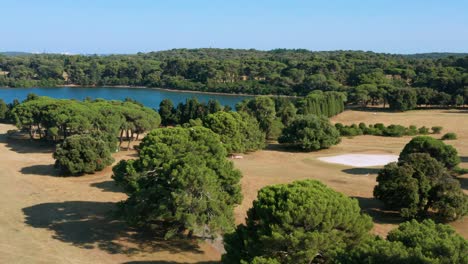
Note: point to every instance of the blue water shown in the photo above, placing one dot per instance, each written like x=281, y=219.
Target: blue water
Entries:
x=148, y=97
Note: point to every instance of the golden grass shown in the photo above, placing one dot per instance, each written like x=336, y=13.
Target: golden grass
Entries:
x=49, y=219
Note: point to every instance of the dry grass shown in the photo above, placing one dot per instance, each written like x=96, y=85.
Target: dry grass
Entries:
x=274, y=166
x=50, y=219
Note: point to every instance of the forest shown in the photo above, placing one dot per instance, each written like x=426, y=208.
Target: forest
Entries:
x=366, y=78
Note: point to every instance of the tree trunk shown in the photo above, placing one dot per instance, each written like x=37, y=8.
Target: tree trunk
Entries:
x=121, y=138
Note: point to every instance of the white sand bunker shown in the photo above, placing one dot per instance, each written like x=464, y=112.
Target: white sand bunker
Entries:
x=361, y=160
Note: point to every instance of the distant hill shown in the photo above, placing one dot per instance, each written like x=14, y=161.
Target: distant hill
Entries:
x=435, y=55
x=215, y=53
x=15, y=53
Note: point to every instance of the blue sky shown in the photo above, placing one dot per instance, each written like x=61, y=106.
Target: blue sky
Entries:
x=117, y=26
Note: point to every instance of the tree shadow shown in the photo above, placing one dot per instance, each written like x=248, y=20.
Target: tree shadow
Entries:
x=91, y=225
x=361, y=171
x=27, y=145
x=107, y=186
x=458, y=111
x=283, y=148
x=463, y=183
x=43, y=170
x=375, y=209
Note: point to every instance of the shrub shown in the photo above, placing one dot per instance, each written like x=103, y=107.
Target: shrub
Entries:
x=339, y=126
x=394, y=131
x=449, y=136
x=350, y=131
x=423, y=130
x=412, y=130
x=436, y=129
x=80, y=154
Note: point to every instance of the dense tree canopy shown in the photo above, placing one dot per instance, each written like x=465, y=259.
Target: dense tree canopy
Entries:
x=412, y=242
x=80, y=154
x=300, y=222
x=446, y=154
x=402, y=99
x=366, y=77
x=182, y=181
x=309, y=133
x=263, y=109
x=238, y=132
x=55, y=119
x=419, y=185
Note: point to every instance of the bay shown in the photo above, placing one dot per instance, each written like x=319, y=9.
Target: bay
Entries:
x=147, y=96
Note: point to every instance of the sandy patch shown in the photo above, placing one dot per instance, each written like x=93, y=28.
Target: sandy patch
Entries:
x=361, y=160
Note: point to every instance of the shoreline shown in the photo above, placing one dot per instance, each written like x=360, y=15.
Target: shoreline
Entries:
x=162, y=89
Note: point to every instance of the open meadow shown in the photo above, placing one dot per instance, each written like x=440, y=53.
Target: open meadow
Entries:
x=51, y=219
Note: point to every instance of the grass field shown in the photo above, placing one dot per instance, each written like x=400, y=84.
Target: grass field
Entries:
x=50, y=219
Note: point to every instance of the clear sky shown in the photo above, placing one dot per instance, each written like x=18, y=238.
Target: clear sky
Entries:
x=130, y=26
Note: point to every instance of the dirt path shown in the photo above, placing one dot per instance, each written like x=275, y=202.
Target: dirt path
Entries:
x=50, y=219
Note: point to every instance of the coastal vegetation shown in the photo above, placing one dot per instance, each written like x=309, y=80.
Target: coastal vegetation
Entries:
x=367, y=78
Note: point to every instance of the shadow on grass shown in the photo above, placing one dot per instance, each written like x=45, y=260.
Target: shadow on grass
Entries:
x=27, y=145
x=43, y=170
x=90, y=225
x=361, y=171
x=107, y=186
x=375, y=209
x=283, y=148
x=458, y=111
x=371, y=109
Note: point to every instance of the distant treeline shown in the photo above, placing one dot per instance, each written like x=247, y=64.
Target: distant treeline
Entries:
x=365, y=77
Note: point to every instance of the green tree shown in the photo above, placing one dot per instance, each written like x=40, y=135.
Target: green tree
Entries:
x=300, y=222
x=182, y=181
x=237, y=132
x=419, y=185
x=80, y=154
x=437, y=242
x=412, y=242
x=309, y=133
x=166, y=111
x=263, y=109
x=3, y=110
x=446, y=154
x=402, y=99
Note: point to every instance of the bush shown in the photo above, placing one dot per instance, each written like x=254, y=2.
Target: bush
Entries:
x=310, y=132
x=412, y=130
x=423, y=130
x=436, y=129
x=300, y=222
x=449, y=136
x=394, y=131
x=80, y=154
